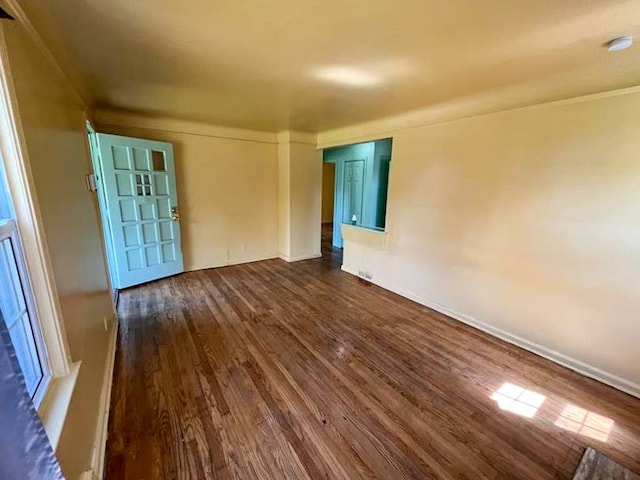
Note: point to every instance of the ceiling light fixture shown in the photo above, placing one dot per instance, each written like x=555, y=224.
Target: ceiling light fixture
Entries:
x=620, y=43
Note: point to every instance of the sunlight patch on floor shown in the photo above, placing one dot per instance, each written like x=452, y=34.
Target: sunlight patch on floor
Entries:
x=518, y=400
x=584, y=422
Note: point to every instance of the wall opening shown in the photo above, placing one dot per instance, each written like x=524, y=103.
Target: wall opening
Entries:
x=328, y=204
x=361, y=185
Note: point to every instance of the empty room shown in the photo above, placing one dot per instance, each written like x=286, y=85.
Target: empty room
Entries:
x=319, y=240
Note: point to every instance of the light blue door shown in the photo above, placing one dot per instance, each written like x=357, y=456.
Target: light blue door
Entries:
x=353, y=191
x=141, y=202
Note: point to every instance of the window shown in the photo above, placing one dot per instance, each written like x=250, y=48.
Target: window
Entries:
x=16, y=299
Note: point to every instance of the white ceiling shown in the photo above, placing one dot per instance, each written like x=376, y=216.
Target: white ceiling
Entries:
x=314, y=65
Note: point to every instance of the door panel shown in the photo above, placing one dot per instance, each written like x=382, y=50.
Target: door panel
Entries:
x=353, y=191
x=138, y=177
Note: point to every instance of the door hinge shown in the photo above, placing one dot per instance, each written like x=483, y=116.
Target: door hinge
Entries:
x=90, y=180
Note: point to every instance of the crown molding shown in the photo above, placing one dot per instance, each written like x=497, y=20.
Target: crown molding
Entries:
x=291, y=136
x=23, y=19
x=486, y=104
x=117, y=118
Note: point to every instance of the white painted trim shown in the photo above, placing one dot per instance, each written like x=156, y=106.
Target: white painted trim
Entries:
x=114, y=118
x=20, y=15
x=9, y=231
x=228, y=263
x=240, y=261
x=23, y=193
x=100, y=442
x=556, y=357
x=299, y=258
x=55, y=406
x=442, y=113
x=91, y=142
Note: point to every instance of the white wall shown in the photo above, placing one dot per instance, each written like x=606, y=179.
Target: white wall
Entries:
x=526, y=222
x=243, y=196
x=300, y=196
x=227, y=192
x=284, y=199
x=306, y=200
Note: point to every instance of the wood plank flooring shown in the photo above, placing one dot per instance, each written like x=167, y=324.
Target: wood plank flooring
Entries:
x=272, y=370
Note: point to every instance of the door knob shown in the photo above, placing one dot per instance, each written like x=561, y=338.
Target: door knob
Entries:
x=175, y=216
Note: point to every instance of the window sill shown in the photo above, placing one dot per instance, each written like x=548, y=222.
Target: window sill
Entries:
x=41, y=391
x=55, y=405
x=369, y=229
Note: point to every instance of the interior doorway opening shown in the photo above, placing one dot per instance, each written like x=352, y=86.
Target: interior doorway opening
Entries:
x=328, y=204
x=360, y=186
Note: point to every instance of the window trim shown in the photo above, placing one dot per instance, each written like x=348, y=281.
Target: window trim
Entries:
x=22, y=191
x=9, y=231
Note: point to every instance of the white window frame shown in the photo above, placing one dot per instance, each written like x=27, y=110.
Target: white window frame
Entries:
x=9, y=231
x=15, y=158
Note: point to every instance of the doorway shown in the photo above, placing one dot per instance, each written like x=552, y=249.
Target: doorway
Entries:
x=136, y=186
x=328, y=204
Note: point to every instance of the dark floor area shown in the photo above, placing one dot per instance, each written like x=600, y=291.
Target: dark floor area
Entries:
x=275, y=370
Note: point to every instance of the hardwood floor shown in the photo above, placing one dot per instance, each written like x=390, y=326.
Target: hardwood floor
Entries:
x=273, y=370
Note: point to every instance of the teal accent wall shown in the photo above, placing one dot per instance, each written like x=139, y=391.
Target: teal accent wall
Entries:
x=376, y=157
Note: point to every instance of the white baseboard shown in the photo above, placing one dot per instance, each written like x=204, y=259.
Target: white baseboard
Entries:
x=557, y=357
x=100, y=442
x=299, y=257
x=228, y=263
x=259, y=258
